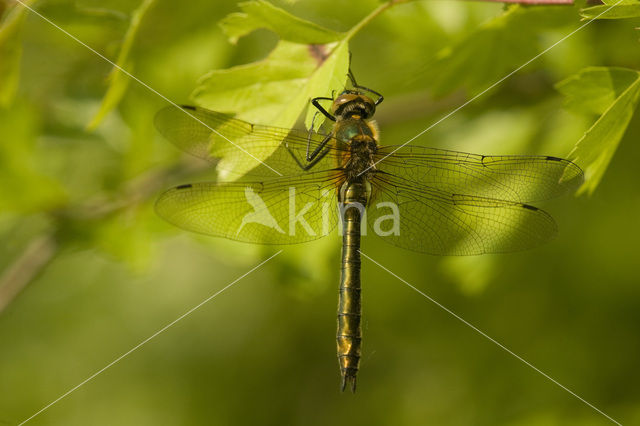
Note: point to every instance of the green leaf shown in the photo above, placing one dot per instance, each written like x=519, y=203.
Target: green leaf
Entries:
x=275, y=91
x=594, y=89
x=326, y=79
x=494, y=49
x=594, y=150
x=260, y=91
x=119, y=81
x=257, y=14
x=620, y=11
x=118, y=84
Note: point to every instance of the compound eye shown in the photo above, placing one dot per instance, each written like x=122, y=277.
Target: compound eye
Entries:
x=341, y=100
x=368, y=106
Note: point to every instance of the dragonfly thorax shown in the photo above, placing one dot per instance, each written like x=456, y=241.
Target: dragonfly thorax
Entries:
x=361, y=161
x=356, y=105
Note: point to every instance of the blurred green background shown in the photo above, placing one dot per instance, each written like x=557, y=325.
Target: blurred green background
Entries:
x=102, y=272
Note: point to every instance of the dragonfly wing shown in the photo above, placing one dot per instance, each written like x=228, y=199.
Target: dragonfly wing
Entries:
x=515, y=178
x=239, y=147
x=431, y=221
x=275, y=211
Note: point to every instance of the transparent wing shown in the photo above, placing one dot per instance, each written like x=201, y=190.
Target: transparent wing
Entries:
x=239, y=147
x=433, y=221
x=275, y=211
x=504, y=177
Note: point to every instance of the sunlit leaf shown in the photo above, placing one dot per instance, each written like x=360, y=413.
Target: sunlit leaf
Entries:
x=118, y=81
x=259, y=91
x=618, y=87
x=276, y=90
x=326, y=78
x=257, y=14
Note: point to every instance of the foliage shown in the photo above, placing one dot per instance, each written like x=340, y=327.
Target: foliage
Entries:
x=514, y=34
x=118, y=81
x=261, y=14
x=308, y=61
x=81, y=164
x=613, y=9
x=613, y=93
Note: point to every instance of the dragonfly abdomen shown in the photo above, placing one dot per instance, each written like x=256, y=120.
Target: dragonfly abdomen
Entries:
x=354, y=197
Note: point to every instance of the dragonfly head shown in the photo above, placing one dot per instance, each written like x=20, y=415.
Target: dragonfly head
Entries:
x=351, y=103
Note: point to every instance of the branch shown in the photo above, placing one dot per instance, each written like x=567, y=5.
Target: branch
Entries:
x=38, y=254
x=133, y=192
x=532, y=2
x=41, y=250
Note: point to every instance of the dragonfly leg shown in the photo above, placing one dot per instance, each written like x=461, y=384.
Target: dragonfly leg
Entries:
x=314, y=160
x=316, y=157
x=313, y=122
x=366, y=89
x=315, y=102
x=319, y=148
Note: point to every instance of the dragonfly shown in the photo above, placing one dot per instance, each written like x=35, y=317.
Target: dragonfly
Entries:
x=295, y=186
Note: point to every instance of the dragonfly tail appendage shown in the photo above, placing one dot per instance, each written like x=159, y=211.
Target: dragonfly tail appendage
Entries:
x=349, y=381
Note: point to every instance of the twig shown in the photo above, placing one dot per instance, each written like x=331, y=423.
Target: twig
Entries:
x=38, y=254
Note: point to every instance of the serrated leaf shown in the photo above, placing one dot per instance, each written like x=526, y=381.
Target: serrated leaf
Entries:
x=259, y=14
x=594, y=89
x=276, y=90
x=118, y=81
x=260, y=91
x=594, y=150
x=620, y=11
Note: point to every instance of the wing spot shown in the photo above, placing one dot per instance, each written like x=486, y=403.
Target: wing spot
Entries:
x=527, y=206
x=190, y=107
x=185, y=186
x=550, y=158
